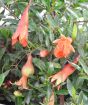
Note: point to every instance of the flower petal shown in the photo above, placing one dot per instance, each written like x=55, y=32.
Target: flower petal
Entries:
x=15, y=38
x=22, y=29
x=63, y=47
x=22, y=82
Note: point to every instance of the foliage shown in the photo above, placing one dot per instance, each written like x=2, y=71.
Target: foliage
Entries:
x=48, y=19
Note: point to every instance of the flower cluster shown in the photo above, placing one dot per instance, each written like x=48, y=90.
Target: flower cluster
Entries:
x=62, y=49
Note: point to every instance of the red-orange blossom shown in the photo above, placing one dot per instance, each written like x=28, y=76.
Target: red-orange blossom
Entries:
x=63, y=47
x=26, y=71
x=21, y=33
x=63, y=74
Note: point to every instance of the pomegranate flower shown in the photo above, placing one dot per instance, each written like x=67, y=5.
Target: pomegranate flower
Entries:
x=26, y=71
x=21, y=33
x=63, y=74
x=44, y=53
x=63, y=47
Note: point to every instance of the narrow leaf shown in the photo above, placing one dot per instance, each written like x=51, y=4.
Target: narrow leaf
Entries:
x=71, y=88
x=75, y=65
x=2, y=77
x=80, y=98
x=2, y=51
x=74, y=33
x=85, y=68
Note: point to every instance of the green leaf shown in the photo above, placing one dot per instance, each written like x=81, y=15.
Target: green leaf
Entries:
x=71, y=88
x=51, y=36
x=47, y=41
x=18, y=101
x=74, y=32
x=5, y=32
x=62, y=92
x=33, y=26
x=84, y=77
x=39, y=63
x=80, y=98
x=28, y=97
x=75, y=65
x=51, y=21
x=85, y=99
x=72, y=12
x=2, y=51
x=2, y=77
x=85, y=68
x=49, y=90
x=79, y=82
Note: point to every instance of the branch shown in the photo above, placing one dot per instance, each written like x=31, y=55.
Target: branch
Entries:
x=81, y=21
x=10, y=11
x=30, y=3
x=61, y=99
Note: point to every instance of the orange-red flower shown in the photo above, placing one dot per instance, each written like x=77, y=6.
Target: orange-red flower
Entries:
x=22, y=82
x=63, y=74
x=21, y=33
x=63, y=47
x=26, y=71
x=44, y=53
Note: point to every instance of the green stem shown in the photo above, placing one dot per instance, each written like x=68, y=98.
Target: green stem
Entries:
x=18, y=101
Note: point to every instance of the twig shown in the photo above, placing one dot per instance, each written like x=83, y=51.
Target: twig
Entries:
x=30, y=1
x=29, y=4
x=9, y=11
x=61, y=99
x=80, y=21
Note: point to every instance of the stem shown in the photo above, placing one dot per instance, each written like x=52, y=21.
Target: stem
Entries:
x=30, y=3
x=18, y=101
x=61, y=99
x=80, y=21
